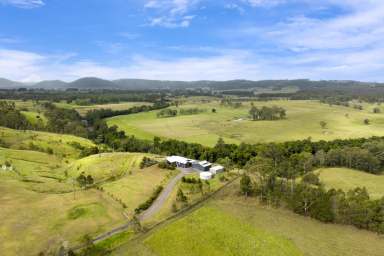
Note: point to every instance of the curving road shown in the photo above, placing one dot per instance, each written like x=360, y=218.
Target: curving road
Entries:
x=159, y=202
x=155, y=207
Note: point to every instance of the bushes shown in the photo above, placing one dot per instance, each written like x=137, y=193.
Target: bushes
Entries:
x=144, y=206
x=190, y=180
x=166, y=165
x=147, y=162
x=167, y=113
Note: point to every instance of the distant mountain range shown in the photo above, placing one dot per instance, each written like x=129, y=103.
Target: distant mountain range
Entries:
x=142, y=84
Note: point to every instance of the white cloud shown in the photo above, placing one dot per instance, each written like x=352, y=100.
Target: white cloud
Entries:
x=264, y=3
x=27, y=4
x=219, y=65
x=171, y=13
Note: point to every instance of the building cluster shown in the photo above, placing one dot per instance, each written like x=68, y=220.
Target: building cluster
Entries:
x=206, y=169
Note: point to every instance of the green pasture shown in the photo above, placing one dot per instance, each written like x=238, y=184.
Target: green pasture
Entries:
x=230, y=224
x=234, y=125
x=347, y=179
x=209, y=231
x=34, y=222
x=105, y=166
x=137, y=186
x=62, y=145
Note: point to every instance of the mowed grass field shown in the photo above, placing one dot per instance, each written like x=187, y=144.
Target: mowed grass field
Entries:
x=233, y=225
x=347, y=179
x=234, y=125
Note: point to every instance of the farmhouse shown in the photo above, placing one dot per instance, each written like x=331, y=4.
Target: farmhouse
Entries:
x=216, y=169
x=180, y=161
x=202, y=166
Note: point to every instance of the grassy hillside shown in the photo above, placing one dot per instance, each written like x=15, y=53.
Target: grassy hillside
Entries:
x=105, y=166
x=60, y=144
x=346, y=179
x=233, y=225
x=121, y=177
x=209, y=231
x=233, y=124
x=35, y=117
x=41, y=198
x=40, y=221
x=137, y=186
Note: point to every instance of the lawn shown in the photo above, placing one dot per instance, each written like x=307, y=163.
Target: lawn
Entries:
x=230, y=224
x=61, y=144
x=347, y=179
x=234, y=125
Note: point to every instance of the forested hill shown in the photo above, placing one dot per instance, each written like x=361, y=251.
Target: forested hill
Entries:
x=143, y=84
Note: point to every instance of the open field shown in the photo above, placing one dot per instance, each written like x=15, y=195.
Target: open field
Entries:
x=347, y=179
x=35, y=117
x=40, y=200
x=114, y=106
x=137, y=186
x=234, y=125
x=61, y=144
x=41, y=222
x=203, y=233
x=105, y=166
x=192, y=193
x=226, y=218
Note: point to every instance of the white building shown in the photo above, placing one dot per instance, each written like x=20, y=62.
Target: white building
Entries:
x=216, y=169
x=180, y=161
x=206, y=175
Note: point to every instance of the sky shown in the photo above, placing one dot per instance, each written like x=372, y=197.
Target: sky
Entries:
x=192, y=39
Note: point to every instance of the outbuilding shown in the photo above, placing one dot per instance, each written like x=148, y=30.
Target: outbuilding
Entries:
x=202, y=166
x=216, y=169
x=206, y=175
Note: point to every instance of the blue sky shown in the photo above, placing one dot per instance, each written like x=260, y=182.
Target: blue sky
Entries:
x=192, y=39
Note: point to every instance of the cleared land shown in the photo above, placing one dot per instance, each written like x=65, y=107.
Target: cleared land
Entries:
x=136, y=187
x=44, y=206
x=230, y=218
x=347, y=179
x=114, y=106
x=235, y=126
x=62, y=145
x=40, y=221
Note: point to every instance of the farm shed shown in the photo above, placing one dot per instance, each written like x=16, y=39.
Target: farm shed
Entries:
x=202, y=166
x=216, y=169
